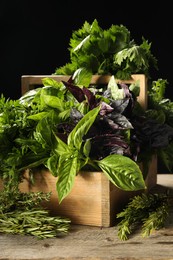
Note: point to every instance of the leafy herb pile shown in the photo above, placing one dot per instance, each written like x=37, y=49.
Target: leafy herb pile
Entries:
x=61, y=125
x=112, y=51
x=70, y=126
x=161, y=109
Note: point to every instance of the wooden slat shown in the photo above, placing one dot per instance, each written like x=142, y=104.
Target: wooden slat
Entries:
x=29, y=82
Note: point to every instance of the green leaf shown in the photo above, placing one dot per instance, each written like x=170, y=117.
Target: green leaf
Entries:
x=38, y=116
x=75, y=138
x=51, y=82
x=132, y=54
x=78, y=47
x=61, y=148
x=135, y=88
x=67, y=171
x=82, y=76
x=64, y=115
x=115, y=91
x=53, y=102
x=87, y=148
x=52, y=164
x=122, y=172
x=43, y=133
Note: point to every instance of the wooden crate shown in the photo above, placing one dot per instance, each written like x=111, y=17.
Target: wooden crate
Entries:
x=94, y=200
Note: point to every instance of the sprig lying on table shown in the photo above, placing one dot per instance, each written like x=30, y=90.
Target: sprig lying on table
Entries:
x=23, y=214
x=149, y=210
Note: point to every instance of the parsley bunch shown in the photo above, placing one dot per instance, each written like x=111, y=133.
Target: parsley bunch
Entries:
x=94, y=50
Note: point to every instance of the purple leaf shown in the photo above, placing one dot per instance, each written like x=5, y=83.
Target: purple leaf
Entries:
x=76, y=91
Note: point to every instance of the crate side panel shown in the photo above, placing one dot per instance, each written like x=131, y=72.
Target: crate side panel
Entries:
x=82, y=205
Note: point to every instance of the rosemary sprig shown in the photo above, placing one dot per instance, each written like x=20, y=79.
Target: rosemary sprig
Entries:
x=148, y=210
x=155, y=220
x=35, y=222
x=22, y=213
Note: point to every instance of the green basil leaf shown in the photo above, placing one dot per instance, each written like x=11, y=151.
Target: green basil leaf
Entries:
x=122, y=172
x=66, y=176
x=53, y=102
x=38, y=116
x=82, y=76
x=52, y=164
x=61, y=147
x=115, y=91
x=75, y=138
x=87, y=148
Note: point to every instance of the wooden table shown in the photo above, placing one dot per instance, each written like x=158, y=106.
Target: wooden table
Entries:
x=94, y=243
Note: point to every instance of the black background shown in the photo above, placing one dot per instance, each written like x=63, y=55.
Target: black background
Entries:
x=35, y=34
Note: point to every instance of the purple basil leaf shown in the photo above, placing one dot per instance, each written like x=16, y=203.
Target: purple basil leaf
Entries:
x=104, y=145
x=75, y=115
x=76, y=91
x=119, y=105
x=126, y=90
x=105, y=109
x=92, y=101
x=118, y=121
x=150, y=132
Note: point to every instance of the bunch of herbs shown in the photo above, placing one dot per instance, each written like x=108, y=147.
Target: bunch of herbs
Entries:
x=148, y=211
x=61, y=125
x=71, y=126
x=112, y=51
x=23, y=213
